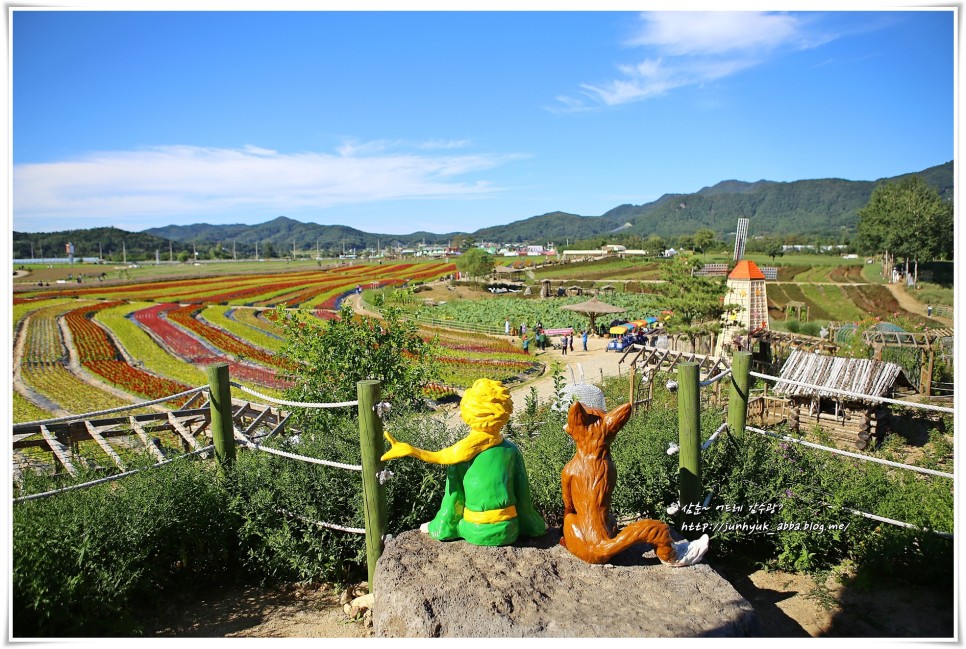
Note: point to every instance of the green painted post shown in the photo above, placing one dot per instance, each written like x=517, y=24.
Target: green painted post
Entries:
x=373, y=494
x=738, y=398
x=222, y=429
x=689, y=436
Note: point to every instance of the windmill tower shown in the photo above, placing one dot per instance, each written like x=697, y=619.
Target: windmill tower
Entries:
x=746, y=288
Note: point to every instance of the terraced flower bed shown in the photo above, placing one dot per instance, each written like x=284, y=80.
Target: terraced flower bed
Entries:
x=97, y=353
x=192, y=350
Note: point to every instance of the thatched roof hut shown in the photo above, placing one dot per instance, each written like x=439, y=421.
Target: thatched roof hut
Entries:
x=862, y=377
x=857, y=417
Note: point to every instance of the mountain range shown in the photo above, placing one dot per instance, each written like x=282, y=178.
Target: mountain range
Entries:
x=823, y=207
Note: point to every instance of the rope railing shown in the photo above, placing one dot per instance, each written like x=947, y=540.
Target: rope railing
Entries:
x=857, y=456
x=714, y=379
x=890, y=521
x=109, y=478
x=673, y=448
x=293, y=456
x=293, y=404
x=90, y=415
x=331, y=526
x=846, y=393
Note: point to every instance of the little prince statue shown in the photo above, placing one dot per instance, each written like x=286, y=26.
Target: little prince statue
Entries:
x=487, y=497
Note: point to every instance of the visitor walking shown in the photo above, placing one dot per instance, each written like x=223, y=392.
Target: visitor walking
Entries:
x=526, y=345
x=583, y=336
x=523, y=329
x=929, y=310
x=563, y=345
x=541, y=339
x=506, y=327
x=571, y=341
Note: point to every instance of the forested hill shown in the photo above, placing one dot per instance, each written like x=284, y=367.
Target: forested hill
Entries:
x=822, y=207
x=810, y=207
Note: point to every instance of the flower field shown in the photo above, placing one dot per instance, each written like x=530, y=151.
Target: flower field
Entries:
x=155, y=338
x=198, y=352
x=43, y=365
x=98, y=353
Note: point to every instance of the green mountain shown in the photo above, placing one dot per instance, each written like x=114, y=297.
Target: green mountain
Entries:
x=107, y=243
x=810, y=207
x=825, y=207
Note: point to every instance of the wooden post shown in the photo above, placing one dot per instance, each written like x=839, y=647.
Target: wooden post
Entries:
x=631, y=378
x=373, y=494
x=689, y=436
x=222, y=430
x=738, y=398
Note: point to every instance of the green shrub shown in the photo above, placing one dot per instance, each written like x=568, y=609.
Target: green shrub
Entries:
x=279, y=499
x=85, y=561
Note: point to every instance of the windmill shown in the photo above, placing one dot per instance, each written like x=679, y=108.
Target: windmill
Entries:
x=740, y=237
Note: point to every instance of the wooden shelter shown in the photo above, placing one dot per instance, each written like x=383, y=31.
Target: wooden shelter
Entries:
x=856, y=418
x=593, y=308
x=508, y=272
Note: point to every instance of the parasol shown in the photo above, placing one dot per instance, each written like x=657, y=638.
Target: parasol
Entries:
x=593, y=308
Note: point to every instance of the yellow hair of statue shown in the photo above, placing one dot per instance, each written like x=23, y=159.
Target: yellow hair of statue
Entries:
x=485, y=407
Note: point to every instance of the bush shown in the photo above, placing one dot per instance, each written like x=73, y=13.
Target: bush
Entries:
x=86, y=561
x=279, y=500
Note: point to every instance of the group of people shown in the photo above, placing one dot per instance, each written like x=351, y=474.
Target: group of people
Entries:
x=542, y=340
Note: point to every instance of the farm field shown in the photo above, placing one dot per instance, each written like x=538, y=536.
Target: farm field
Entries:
x=86, y=346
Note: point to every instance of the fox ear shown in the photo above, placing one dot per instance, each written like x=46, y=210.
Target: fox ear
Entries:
x=616, y=418
x=578, y=415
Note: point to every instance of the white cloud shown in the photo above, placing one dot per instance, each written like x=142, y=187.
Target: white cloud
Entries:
x=692, y=48
x=716, y=33
x=170, y=181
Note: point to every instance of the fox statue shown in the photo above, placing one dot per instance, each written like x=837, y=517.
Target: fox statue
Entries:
x=589, y=529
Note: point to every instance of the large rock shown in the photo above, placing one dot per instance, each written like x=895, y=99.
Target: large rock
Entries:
x=425, y=588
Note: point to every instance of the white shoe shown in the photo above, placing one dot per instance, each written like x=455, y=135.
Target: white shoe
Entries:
x=689, y=552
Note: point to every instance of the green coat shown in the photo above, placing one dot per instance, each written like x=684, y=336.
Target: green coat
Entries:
x=493, y=480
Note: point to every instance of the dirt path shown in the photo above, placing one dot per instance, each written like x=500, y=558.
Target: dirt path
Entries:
x=913, y=305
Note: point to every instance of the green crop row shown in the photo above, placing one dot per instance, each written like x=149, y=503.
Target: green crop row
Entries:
x=142, y=347
x=215, y=316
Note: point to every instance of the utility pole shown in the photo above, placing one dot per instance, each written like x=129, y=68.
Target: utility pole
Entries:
x=256, y=251
x=170, y=252
x=233, y=255
x=124, y=249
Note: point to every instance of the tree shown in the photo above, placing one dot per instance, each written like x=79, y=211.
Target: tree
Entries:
x=475, y=263
x=906, y=219
x=183, y=256
x=655, y=244
x=686, y=242
x=696, y=301
x=703, y=238
x=773, y=248
x=329, y=357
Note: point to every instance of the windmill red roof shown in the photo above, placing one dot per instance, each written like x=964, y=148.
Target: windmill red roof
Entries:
x=746, y=269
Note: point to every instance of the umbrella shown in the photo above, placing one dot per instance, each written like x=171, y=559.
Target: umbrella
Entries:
x=650, y=319
x=639, y=323
x=593, y=308
x=618, y=330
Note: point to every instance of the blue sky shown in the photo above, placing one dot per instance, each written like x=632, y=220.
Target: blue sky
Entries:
x=394, y=122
